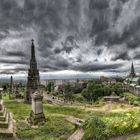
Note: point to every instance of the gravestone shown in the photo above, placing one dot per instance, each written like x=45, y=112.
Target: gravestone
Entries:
x=6, y=122
x=37, y=116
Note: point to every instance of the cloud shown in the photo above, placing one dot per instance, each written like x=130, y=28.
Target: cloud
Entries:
x=91, y=35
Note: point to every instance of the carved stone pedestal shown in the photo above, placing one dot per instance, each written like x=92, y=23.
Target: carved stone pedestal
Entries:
x=37, y=116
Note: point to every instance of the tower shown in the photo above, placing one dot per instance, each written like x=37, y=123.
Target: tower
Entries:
x=33, y=80
x=132, y=72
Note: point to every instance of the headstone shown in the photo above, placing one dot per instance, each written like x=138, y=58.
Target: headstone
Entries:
x=33, y=80
x=37, y=116
x=6, y=122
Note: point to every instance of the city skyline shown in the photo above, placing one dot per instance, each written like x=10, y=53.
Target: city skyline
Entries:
x=72, y=38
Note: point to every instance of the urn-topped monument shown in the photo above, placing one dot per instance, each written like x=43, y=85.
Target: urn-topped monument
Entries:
x=33, y=80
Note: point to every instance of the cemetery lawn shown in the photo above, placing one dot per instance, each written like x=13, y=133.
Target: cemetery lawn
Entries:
x=135, y=138
x=121, y=120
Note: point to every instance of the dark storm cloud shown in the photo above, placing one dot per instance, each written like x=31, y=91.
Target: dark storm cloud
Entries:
x=98, y=67
x=69, y=44
x=130, y=35
x=8, y=72
x=98, y=4
x=63, y=27
x=16, y=53
x=122, y=56
x=14, y=61
x=53, y=63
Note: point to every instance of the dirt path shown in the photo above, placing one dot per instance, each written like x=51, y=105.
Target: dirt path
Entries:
x=126, y=136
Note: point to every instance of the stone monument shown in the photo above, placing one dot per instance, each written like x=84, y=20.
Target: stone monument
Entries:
x=11, y=88
x=6, y=123
x=33, y=81
x=37, y=116
x=17, y=91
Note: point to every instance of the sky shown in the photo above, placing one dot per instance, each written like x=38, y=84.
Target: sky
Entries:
x=73, y=38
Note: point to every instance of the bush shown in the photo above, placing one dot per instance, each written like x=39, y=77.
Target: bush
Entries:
x=95, y=128
x=79, y=98
x=132, y=99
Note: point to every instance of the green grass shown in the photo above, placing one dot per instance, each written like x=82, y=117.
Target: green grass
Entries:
x=51, y=130
x=56, y=127
x=135, y=138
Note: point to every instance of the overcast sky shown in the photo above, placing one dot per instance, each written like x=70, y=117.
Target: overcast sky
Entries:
x=72, y=37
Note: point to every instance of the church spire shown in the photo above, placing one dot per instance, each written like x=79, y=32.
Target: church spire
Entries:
x=132, y=73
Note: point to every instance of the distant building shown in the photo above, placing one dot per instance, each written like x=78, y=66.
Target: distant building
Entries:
x=132, y=81
x=107, y=80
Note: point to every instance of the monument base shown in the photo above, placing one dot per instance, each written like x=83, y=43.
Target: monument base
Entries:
x=35, y=119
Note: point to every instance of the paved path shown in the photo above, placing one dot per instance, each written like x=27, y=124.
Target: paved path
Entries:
x=77, y=135
x=57, y=102
x=74, y=120
x=50, y=99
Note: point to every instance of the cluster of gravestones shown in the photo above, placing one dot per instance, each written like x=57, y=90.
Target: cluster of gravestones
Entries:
x=14, y=90
x=33, y=96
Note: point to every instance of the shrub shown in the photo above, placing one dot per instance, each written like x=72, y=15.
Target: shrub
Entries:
x=95, y=128
x=134, y=100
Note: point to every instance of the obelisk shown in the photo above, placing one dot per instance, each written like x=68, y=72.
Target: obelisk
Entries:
x=11, y=88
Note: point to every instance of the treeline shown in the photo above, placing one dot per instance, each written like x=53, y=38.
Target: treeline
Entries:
x=96, y=90
x=91, y=91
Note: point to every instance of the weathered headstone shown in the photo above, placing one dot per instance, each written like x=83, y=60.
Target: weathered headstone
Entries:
x=33, y=80
x=37, y=116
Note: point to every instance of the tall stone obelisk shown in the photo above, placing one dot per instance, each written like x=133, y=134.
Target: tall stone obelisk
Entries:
x=11, y=88
x=33, y=81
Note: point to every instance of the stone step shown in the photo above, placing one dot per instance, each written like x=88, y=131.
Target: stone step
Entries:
x=3, y=118
x=4, y=124
x=8, y=132
x=2, y=111
x=1, y=104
